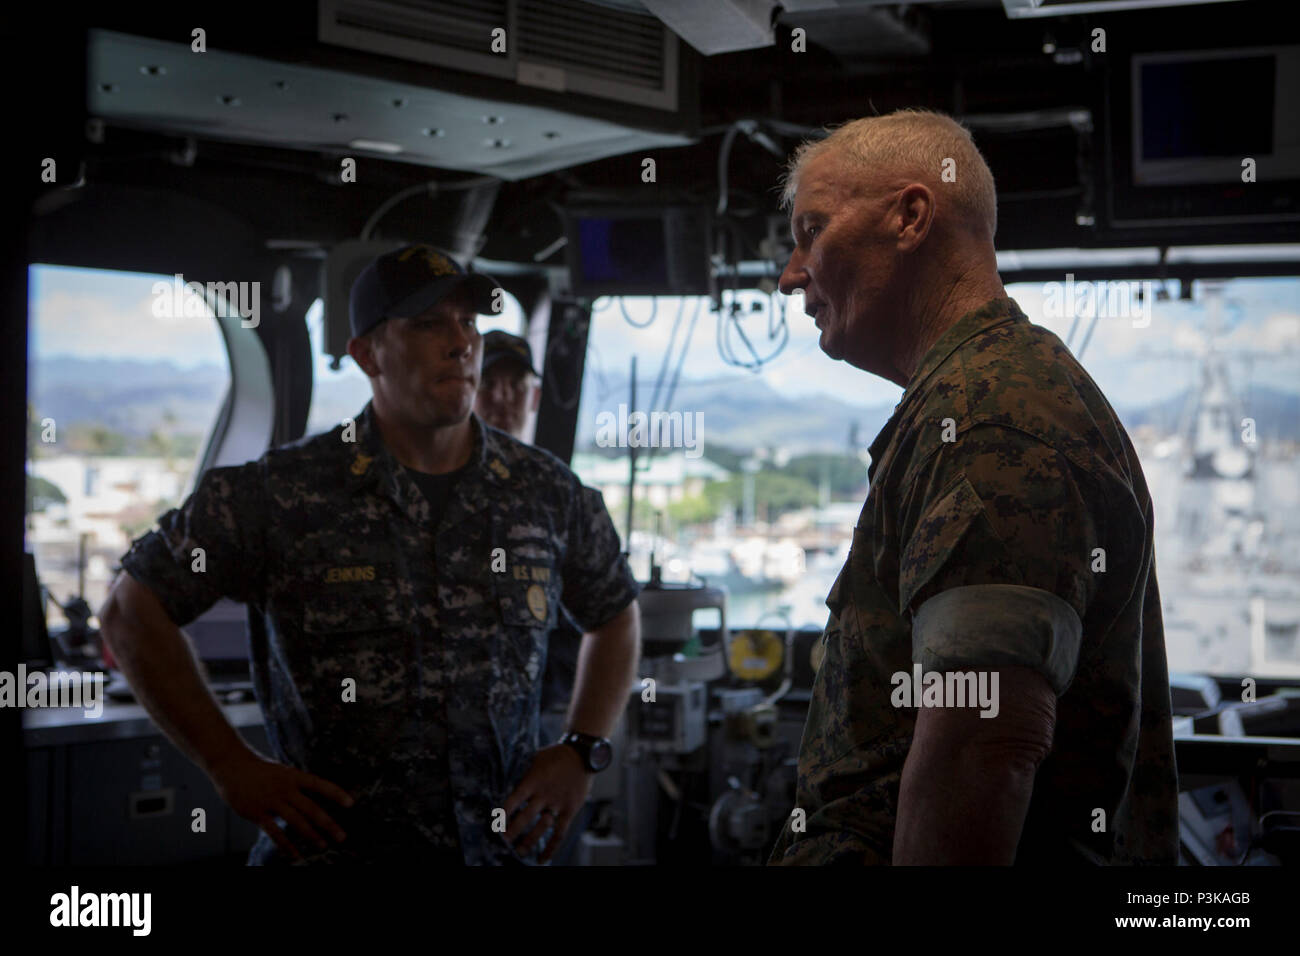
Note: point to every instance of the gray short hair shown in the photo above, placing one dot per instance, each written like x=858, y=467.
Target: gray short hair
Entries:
x=911, y=143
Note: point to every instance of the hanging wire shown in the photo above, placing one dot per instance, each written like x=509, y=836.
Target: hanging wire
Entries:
x=654, y=311
x=430, y=188
x=754, y=131
x=724, y=153
x=597, y=366
x=1087, y=337
x=677, y=372
x=681, y=359
x=728, y=315
x=772, y=301
x=729, y=322
x=668, y=355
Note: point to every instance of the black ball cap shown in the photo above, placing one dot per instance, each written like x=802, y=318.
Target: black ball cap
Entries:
x=407, y=281
x=501, y=346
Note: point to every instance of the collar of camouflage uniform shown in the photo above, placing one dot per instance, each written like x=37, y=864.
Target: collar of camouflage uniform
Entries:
x=370, y=463
x=990, y=315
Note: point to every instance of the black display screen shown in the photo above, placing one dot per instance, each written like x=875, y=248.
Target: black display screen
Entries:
x=619, y=252
x=638, y=250
x=1183, y=116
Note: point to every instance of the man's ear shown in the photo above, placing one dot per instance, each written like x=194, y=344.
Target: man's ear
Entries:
x=362, y=350
x=916, y=203
x=537, y=397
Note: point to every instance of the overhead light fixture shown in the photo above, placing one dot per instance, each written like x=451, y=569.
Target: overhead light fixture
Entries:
x=375, y=146
x=1022, y=9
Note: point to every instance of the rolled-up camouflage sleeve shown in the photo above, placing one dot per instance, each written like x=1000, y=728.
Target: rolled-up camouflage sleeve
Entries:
x=598, y=584
x=998, y=536
x=208, y=548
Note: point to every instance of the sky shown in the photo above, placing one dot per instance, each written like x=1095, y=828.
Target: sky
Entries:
x=101, y=314
x=95, y=313
x=1269, y=312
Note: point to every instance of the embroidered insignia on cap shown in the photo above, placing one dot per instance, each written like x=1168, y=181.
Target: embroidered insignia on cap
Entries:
x=438, y=264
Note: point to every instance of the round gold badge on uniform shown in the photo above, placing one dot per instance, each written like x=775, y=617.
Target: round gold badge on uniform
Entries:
x=537, y=601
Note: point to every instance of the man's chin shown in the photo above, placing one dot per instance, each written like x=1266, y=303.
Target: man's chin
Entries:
x=443, y=413
x=831, y=344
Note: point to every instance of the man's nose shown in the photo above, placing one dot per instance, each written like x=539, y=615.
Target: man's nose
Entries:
x=793, y=276
x=459, y=341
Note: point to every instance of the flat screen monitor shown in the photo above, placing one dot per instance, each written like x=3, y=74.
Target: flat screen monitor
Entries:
x=638, y=250
x=1176, y=128
x=1197, y=115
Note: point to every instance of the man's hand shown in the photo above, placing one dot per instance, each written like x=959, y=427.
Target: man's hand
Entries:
x=260, y=790
x=554, y=789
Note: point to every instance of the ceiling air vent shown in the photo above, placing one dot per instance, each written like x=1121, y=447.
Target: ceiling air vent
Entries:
x=458, y=24
x=563, y=45
x=609, y=44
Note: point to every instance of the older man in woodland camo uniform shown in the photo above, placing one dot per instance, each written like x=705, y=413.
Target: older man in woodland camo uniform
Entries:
x=403, y=574
x=1007, y=533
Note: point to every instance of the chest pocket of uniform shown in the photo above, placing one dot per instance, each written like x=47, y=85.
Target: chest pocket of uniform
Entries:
x=935, y=539
x=528, y=591
x=527, y=604
x=529, y=610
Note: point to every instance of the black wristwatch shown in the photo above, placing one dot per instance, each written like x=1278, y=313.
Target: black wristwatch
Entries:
x=596, y=752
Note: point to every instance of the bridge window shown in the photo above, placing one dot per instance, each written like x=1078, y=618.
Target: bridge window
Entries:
x=760, y=471
x=124, y=389
x=767, y=498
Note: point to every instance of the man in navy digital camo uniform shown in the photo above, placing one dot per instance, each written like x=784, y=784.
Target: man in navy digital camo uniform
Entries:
x=403, y=573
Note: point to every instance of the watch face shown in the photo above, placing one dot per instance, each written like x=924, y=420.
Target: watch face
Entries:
x=601, y=754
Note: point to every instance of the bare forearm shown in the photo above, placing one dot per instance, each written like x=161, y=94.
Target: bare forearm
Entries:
x=607, y=662
x=164, y=675
x=968, y=779
x=962, y=809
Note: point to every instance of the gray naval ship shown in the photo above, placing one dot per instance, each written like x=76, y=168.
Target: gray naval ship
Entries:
x=1227, y=501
